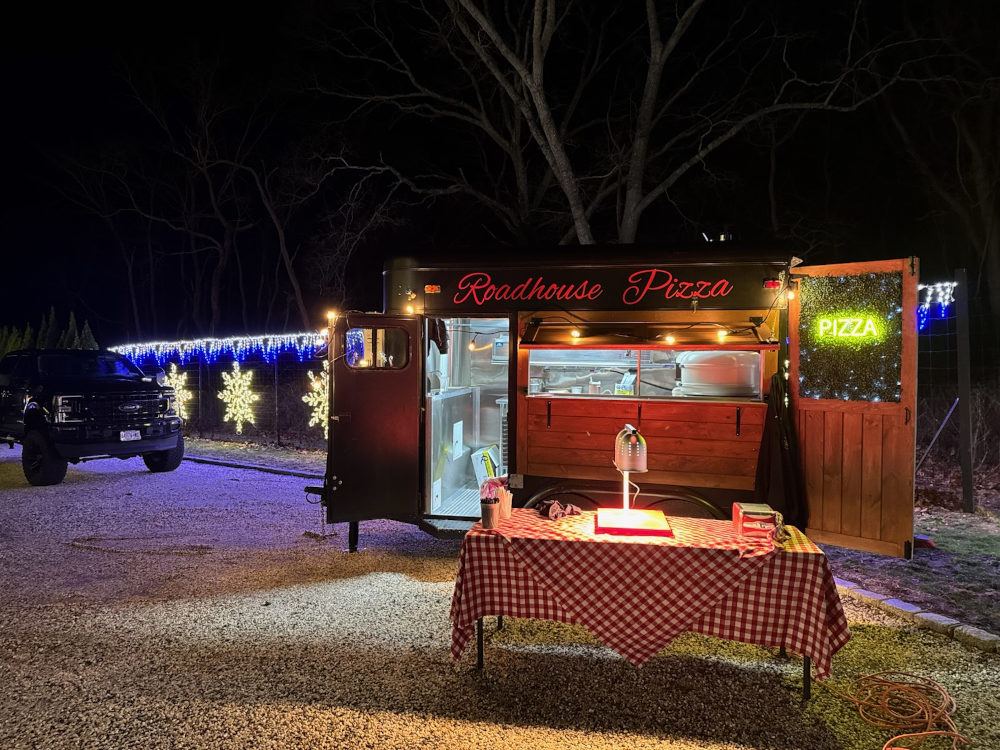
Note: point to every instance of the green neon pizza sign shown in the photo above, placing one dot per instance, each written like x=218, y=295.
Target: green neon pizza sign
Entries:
x=836, y=328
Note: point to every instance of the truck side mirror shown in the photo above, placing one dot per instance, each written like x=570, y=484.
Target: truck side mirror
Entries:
x=154, y=373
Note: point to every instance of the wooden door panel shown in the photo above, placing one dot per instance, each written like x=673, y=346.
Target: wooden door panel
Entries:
x=871, y=477
x=833, y=469
x=850, y=492
x=897, y=485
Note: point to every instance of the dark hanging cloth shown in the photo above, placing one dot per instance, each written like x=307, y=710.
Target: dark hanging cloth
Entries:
x=437, y=332
x=779, y=477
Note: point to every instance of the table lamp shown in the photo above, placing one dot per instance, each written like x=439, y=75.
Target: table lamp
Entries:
x=630, y=455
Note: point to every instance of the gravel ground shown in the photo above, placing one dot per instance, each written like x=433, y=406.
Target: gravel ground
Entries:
x=210, y=608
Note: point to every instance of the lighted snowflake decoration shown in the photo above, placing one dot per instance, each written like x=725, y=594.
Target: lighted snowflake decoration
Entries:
x=238, y=397
x=178, y=381
x=319, y=398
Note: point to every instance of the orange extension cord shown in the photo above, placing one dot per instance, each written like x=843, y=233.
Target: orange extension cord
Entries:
x=901, y=701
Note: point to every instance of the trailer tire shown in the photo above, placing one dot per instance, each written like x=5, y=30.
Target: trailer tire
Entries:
x=167, y=460
x=41, y=464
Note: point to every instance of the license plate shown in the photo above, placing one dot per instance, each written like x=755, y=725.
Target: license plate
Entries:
x=131, y=435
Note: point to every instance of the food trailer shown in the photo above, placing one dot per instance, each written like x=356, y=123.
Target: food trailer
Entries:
x=751, y=377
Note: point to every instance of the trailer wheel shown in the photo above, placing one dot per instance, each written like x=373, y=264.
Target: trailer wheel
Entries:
x=165, y=460
x=41, y=464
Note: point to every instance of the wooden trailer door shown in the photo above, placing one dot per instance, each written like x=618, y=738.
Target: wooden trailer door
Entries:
x=853, y=371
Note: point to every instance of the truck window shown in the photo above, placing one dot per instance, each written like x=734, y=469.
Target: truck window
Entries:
x=376, y=348
x=7, y=365
x=22, y=367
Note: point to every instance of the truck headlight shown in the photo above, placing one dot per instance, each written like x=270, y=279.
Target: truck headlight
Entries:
x=68, y=408
x=169, y=405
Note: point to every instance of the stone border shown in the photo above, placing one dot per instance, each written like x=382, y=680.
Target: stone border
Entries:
x=965, y=634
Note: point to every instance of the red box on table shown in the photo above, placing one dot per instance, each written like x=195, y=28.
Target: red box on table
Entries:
x=754, y=519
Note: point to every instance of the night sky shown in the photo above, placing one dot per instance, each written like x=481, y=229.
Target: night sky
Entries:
x=65, y=97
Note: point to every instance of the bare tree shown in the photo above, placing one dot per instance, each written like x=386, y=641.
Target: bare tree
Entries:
x=369, y=206
x=949, y=128
x=582, y=119
x=88, y=188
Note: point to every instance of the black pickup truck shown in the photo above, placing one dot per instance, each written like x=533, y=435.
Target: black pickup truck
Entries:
x=71, y=405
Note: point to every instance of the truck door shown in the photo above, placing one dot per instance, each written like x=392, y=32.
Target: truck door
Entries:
x=853, y=372
x=373, y=454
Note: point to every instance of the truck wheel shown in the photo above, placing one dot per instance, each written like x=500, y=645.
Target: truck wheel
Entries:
x=165, y=460
x=39, y=460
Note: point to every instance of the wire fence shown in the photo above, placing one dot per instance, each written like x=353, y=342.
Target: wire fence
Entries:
x=938, y=368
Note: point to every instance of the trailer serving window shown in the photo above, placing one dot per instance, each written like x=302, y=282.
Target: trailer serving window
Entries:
x=646, y=373
x=718, y=358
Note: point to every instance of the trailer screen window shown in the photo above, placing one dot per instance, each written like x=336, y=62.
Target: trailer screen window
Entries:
x=376, y=348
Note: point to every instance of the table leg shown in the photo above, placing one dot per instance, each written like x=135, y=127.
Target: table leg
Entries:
x=499, y=622
x=806, y=678
x=479, y=643
x=782, y=653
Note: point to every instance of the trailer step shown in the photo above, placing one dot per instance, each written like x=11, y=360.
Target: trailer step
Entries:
x=445, y=528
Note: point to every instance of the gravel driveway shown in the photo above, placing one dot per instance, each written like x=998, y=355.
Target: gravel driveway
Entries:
x=206, y=609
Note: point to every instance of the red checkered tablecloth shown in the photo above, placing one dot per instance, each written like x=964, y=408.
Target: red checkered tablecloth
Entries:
x=638, y=593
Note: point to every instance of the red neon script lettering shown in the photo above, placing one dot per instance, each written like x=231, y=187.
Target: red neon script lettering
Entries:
x=658, y=280
x=478, y=287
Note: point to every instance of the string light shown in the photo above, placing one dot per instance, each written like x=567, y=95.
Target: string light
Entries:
x=238, y=397
x=178, y=381
x=318, y=398
x=941, y=294
x=267, y=346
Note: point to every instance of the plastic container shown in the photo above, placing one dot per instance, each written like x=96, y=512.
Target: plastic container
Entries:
x=491, y=514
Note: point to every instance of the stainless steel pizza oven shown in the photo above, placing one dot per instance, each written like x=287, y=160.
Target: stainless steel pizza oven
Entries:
x=718, y=373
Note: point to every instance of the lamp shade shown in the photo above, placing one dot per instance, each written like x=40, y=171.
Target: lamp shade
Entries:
x=630, y=450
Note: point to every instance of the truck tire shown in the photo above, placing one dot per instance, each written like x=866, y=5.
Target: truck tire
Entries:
x=39, y=460
x=165, y=460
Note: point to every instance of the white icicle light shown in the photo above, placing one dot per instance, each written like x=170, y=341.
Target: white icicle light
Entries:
x=268, y=346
